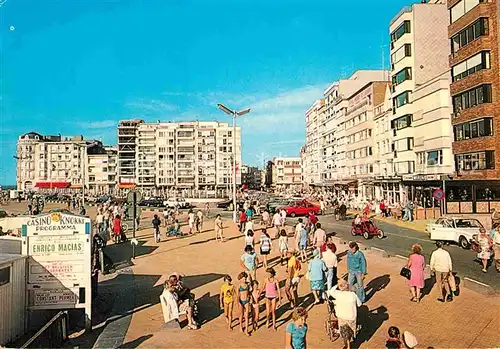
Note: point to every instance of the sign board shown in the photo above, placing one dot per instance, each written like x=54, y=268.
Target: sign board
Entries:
x=58, y=246
x=130, y=196
x=438, y=194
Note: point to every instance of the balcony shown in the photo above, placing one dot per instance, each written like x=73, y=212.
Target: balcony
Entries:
x=126, y=132
x=185, y=150
x=147, y=164
x=185, y=134
x=184, y=173
x=189, y=158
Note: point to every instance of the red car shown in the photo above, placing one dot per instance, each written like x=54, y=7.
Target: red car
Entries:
x=302, y=208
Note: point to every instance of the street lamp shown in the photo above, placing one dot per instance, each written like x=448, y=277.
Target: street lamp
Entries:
x=234, y=114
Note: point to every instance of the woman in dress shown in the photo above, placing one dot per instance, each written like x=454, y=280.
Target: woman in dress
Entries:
x=485, y=244
x=416, y=264
x=316, y=271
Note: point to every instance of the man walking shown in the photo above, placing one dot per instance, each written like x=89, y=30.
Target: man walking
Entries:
x=356, y=267
x=495, y=236
x=319, y=238
x=441, y=265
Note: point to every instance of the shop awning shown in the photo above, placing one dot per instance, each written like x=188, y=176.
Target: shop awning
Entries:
x=48, y=185
x=75, y=186
x=126, y=185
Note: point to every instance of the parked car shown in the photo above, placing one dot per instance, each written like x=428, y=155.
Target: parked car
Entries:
x=176, y=202
x=103, y=199
x=228, y=203
x=152, y=202
x=302, y=209
x=451, y=229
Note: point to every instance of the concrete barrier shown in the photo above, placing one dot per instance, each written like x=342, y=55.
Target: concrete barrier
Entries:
x=380, y=252
x=478, y=287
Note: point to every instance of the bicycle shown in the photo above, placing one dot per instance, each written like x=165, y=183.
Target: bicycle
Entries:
x=331, y=322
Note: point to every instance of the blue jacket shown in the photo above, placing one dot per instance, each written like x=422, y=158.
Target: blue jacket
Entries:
x=356, y=262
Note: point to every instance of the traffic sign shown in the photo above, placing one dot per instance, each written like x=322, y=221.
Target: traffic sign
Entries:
x=130, y=196
x=438, y=194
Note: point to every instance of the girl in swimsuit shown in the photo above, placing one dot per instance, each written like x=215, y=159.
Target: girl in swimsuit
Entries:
x=272, y=292
x=255, y=303
x=244, y=300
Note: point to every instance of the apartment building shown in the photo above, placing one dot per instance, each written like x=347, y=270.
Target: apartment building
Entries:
x=165, y=156
x=101, y=170
x=285, y=173
x=313, y=149
x=421, y=139
x=359, y=135
x=475, y=87
x=50, y=163
x=251, y=177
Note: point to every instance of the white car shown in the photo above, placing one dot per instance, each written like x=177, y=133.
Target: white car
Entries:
x=176, y=202
x=458, y=230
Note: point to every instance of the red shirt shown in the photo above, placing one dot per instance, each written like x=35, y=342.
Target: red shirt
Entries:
x=243, y=217
x=313, y=219
x=117, y=225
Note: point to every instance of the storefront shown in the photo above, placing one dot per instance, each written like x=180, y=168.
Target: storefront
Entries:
x=421, y=193
x=389, y=189
x=472, y=197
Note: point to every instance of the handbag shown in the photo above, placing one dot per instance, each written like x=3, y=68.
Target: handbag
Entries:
x=405, y=272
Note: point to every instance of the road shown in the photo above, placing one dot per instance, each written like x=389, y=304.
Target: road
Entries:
x=399, y=240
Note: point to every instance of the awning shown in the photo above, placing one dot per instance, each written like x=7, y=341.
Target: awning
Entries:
x=126, y=185
x=48, y=185
x=75, y=186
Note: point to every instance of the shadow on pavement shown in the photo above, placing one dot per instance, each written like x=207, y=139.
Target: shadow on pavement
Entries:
x=370, y=321
x=136, y=342
x=121, y=254
x=375, y=285
x=428, y=285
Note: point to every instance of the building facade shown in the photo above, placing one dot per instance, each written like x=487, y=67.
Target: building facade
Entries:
x=49, y=163
x=251, y=177
x=184, y=156
x=101, y=170
x=285, y=173
x=313, y=149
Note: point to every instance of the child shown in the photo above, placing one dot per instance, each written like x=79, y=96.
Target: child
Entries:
x=226, y=299
x=272, y=291
x=283, y=245
x=303, y=244
x=244, y=300
x=296, y=331
x=249, y=262
x=265, y=246
x=255, y=303
x=249, y=239
x=219, y=228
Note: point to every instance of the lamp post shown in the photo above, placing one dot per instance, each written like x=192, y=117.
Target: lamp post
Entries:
x=84, y=147
x=234, y=114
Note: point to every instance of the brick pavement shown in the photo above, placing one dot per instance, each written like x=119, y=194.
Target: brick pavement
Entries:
x=205, y=262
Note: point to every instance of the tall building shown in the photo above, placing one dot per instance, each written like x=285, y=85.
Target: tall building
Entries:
x=166, y=156
x=421, y=106
x=313, y=148
x=51, y=163
x=475, y=87
x=101, y=170
x=285, y=173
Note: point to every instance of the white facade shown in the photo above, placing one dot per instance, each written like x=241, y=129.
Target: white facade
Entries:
x=286, y=173
x=101, y=171
x=314, y=130
x=186, y=155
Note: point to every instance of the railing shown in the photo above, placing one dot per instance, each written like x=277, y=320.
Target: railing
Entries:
x=58, y=333
x=400, y=13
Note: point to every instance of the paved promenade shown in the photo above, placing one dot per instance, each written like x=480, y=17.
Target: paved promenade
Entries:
x=469, y=321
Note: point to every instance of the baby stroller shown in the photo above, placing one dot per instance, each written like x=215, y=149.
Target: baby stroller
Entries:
x=331, y=321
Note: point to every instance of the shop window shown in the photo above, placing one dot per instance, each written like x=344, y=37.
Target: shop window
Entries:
x=4, y=276
x=487, y=193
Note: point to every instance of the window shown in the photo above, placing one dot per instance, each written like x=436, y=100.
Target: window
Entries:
x=401, y=122
x=401, y=76
x=420, y=158
x=478, y=95
x=91, y=178
x=435, y=158
x=487, y=193
x=475, y=161
x=462, y=8
x=400, y=31
x=469, y=34
x=470, y=66
x=400, y=100
x=4, y=276
x=473, y=129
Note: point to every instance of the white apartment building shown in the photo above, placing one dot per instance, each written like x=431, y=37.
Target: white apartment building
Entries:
x=50, y=163
x=101, y=170
x=421, y=96
x=186, y=156
x=313, y=149
x=286, y=173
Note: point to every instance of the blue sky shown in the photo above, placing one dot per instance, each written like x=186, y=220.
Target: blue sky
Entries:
x=77, y=67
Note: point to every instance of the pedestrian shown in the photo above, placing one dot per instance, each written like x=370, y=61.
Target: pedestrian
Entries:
x=248, y=226
x=283, y=245
x=242, y=221
x=99, y=220
x=485, y=244
x=227, y=293
x=496, y=247
x=265, y=246
x=117, y=229
x=331, y=262
x=265, y=219
x=319, y=237
x=156, y=227
x=296, y=331
x=303, y=244
x=356, y=268
x=316, y=271
x=346, y=310
x=199, y=221
x=243, y=293
x=207, y=210
x=394, y=340
x=249, y=213
x=250, y=239
x=256, y=292
x=219, y=229
x=416, y=264
x=249, y=262
x=166, y=216
x=272, y=291
x=276, y=223
x=191, y=221
x=293, y=278
x=283, y=217
x=441, y=266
